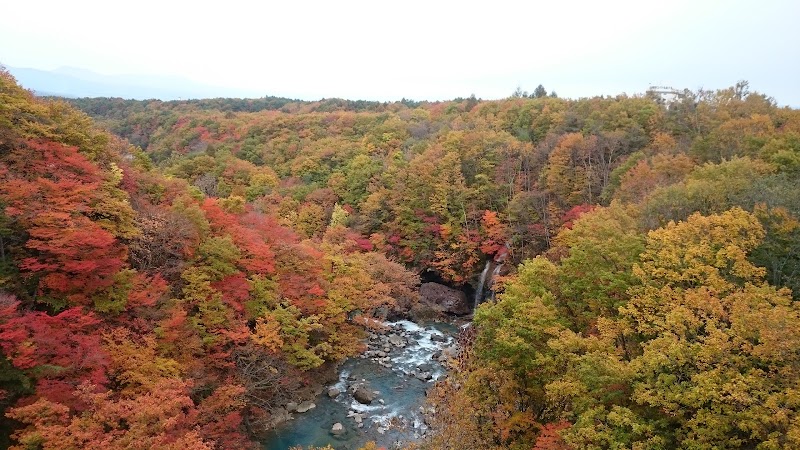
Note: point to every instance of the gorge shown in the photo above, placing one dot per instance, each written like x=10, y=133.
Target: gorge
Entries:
x=402, y=362
x=186, y=275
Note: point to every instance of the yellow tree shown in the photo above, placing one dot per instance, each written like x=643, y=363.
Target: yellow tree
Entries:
x=719, y=357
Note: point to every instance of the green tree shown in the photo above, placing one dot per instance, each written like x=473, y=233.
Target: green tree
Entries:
x=595, y=275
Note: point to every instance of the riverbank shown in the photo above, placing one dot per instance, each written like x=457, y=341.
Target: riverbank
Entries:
x=378, y=396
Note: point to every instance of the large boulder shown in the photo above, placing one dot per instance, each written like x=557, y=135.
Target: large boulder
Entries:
x=444, y=299
x=364, y=395
x=305, y=406
x=438, y=338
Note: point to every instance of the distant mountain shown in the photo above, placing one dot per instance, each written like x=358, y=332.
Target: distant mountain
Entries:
x=77, y=82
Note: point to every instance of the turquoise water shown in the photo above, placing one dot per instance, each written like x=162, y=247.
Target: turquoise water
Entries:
x=397, y=420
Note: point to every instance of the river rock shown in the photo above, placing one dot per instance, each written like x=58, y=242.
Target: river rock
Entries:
x=444, y=299
x=279, y=416
x=423, y=376
x=364, y=395
x=334, y=392
x=337, y=429
x=305, y=406
x=438, y=338
x=396, y=340
x=291, y=406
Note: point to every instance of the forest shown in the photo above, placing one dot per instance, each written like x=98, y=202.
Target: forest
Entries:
x=172, y=273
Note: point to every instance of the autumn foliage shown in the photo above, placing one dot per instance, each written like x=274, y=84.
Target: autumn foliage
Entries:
x=141, y=313
x=50, y=190
x=175, y=285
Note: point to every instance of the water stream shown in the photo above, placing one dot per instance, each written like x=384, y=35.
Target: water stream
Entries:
x=396, y=415
x=481, y=285
x=495, y=274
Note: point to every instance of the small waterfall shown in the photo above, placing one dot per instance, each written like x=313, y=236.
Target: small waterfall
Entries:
x=496, y=270
x=495, y=273
x=479, y=291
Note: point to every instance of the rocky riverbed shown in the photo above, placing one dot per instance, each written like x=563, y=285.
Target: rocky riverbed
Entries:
x=379, y=396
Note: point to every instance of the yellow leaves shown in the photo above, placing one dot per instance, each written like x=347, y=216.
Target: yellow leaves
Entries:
x=310, y=220
x=662, y=143
x=535, y=277
x=569, y=171
x=306, y=167
x=706, y=251
x=264, y=177
x=268, y=334
x=731, y=137
x=284, y=329
x=781, y=221
x=135, y=363
x=112, y=207
x=692, y=311
x=561, y=392
x=719, y=343
x=233, y=204
x=647, y=175
x=518, y=423
x=338, y=216
x=765, y=322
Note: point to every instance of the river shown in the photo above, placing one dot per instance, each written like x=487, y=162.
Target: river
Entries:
x=395, y=416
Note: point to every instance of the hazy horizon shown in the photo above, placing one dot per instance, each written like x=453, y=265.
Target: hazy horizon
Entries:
x=358, y=50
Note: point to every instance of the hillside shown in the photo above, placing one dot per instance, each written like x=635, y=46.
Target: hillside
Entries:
x=138, y=311
x=418, y=178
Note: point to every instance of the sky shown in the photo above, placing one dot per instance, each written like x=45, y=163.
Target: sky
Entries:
x=422, y=50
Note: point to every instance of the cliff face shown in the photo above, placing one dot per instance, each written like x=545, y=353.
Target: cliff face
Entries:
x=443, y=299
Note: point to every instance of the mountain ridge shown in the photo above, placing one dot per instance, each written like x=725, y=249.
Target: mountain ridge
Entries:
x=75, y=82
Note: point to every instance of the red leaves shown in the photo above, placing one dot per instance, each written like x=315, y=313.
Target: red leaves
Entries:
x=50, y=189
x=220, y=418
x=316, y=291
x=258, y=256
x=574, y=213
x=60, y=351
x=235, y=290
x=550, y=437
x=161, y=418
x=249, y=232
x=146, y=291
x=495, y=233
x=364, y=244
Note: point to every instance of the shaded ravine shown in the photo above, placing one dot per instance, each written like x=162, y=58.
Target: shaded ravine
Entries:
x=401, y=377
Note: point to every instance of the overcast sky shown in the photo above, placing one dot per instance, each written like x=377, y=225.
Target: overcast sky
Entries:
x=385, y=50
